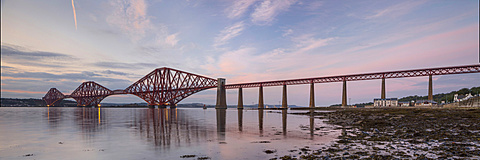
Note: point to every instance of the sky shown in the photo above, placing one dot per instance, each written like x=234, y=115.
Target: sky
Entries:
x=62, y=43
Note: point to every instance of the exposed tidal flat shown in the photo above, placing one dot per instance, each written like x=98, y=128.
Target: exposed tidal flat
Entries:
x=400, y=133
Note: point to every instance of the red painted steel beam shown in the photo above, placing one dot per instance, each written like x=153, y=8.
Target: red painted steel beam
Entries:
x=53, y=95
x=366, y=76
x=167, y=85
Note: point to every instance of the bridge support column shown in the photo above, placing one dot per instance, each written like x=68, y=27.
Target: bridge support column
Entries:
x=162, y=106
x=383, y=89
x=344, y=94
x=221, y=95
x=260, y=97
x=430, y=88
x=173, y=105
x=284, y=97
x=240, y=99
x=312, y=95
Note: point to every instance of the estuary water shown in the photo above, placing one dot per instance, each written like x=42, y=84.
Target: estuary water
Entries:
x=143, y=133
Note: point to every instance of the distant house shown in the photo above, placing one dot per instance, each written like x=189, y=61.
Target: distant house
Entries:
x=378, y=102
x=459, y=98
x=425, y=103
x=404, y=103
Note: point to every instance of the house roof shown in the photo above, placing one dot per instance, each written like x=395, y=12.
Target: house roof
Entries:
x=423, y=101
x=379, y=99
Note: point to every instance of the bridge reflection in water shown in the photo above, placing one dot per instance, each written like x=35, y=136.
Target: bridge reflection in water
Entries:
x=169, y=127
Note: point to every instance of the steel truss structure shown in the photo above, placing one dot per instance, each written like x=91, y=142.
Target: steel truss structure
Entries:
x=167, y=86
x=163, y=86
x=53, y=95
x=90, y=93
x=366, y=76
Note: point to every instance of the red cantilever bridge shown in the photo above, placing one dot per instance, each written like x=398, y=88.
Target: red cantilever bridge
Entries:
x=167, y=86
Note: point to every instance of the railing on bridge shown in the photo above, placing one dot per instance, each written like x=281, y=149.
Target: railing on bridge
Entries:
x=366, y=76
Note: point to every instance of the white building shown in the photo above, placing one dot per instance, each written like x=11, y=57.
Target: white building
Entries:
x=425, y=103
x=458, y=98
x=377, y=102
x=404, y=103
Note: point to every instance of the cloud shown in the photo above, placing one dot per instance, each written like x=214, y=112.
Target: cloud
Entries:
x=130, y=16
x=114, y=73
x=287, y=32
x=269, y=9
x=20, y=91
x=22, y=56
x=121, y=65
x=396, y=10
x=307, y=42
x=238, y=8
x=229, y=33
x=172, y=40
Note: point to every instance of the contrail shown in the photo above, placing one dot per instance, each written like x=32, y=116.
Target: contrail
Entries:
x=74, y=15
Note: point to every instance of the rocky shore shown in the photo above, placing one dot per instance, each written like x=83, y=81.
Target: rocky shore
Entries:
x=400, y=133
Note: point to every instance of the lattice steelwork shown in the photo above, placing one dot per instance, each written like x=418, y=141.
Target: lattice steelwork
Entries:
x=53, y=95
x=90, y=93
x=167, y=85
x=367, y=76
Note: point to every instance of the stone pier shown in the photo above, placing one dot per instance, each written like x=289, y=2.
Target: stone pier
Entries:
x=260, y=97
x=430, y=88
x=221, y=94
x=344, y=94
x=312, y=95
x=240, y=99
x=383, y=89
x=284, y=97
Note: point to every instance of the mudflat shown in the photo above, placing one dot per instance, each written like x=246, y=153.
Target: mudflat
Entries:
x=392, y=133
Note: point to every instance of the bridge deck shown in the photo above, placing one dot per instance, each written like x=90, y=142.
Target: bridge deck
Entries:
x=366, y=76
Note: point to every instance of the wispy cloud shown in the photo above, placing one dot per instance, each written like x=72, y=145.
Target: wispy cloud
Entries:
x=269, y=9
x=396, y=10
x=121, y=65
x=12, y=54
x=114, y=73
x=307, y=42
x=287, y=32
x=238, y=8
x=172, y=40
x=229, y=33
x=21, y=91
x=131, y=17
x=74, y=15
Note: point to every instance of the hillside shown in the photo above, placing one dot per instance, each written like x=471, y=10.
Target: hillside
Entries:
x=443, y=96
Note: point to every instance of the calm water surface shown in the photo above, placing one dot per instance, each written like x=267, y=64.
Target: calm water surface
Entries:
x=141, y=133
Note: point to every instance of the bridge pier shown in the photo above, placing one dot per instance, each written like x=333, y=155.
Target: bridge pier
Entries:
x=344, y=94
x=383, y=88
x=240, y=99
x=284, y=97
x=260, y=97
x=221, y=95
x=430, y=88
x=312, y=95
